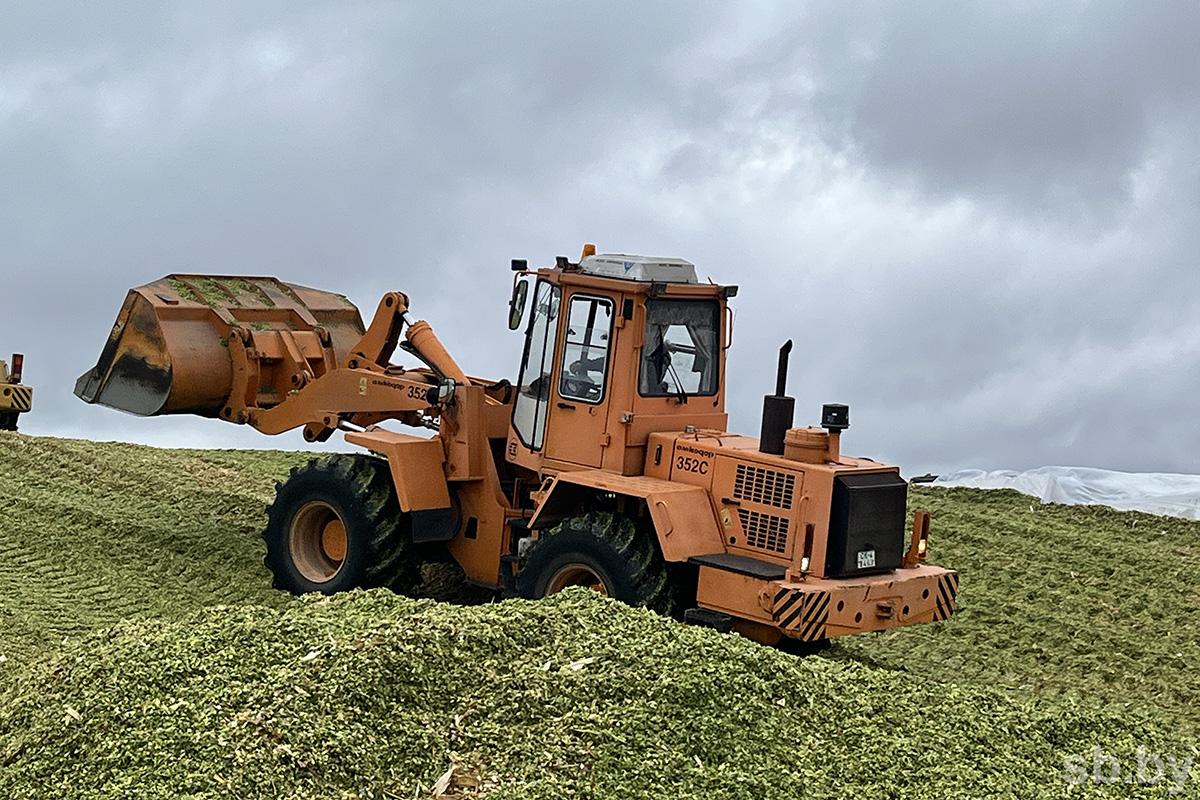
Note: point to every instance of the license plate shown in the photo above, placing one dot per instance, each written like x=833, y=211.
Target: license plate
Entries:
x=866, y=559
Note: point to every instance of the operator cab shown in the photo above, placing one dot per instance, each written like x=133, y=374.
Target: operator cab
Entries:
x=616, y=347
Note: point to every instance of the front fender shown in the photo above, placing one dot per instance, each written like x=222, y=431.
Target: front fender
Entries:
x=683, y=515
x=416, y=465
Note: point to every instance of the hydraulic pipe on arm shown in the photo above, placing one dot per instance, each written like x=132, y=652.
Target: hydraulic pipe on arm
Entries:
x=379, y=342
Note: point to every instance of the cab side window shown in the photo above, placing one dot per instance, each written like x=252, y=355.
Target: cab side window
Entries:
x=586, y=348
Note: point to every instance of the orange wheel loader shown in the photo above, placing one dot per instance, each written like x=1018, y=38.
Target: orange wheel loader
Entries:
x=15, y=399
x=606, y=464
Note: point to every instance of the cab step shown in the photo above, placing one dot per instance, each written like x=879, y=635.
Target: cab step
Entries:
x=741, y=565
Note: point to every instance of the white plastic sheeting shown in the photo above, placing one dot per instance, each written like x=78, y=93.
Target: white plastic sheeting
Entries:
x=1152, y=492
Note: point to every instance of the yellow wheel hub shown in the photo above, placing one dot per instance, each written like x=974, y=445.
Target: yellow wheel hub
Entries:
x=333, y=540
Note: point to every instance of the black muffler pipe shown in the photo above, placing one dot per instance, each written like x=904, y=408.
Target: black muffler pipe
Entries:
x=779, y=410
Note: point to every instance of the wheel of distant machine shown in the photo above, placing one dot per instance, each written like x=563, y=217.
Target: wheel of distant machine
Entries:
x=608, y=464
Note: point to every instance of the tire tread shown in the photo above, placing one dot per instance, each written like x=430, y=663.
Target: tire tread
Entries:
x=368, y=480
x=645, y=569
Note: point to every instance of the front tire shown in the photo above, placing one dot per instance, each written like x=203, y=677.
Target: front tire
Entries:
x=336, y=525
x=601, y=551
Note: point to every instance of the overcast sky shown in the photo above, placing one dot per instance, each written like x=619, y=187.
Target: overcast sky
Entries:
x=981, y=223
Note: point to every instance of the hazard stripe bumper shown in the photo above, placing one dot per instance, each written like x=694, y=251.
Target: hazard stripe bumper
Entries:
x=819, y=609
x=14, y=397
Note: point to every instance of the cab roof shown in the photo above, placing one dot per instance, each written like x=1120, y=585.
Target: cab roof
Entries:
x=644, y=269
x=651, y=275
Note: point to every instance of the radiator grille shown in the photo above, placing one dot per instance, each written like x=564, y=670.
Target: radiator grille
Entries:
x=765, y=486
x=764, y=531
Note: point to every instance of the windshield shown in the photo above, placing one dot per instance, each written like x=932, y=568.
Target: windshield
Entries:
x=533, y=387
x=679, y=355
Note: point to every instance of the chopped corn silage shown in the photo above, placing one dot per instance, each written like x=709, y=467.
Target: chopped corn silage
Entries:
x=1087, y=602
x=92, y=533
x=373, y=695
x=213, y=685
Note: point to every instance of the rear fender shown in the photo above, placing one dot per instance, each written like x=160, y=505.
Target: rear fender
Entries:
x=683, y=515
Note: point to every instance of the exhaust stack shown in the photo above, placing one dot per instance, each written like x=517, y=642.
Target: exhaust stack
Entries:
x=779, y=410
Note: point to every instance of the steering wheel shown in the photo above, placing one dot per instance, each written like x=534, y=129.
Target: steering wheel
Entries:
x=537, y=387
x=581, y=388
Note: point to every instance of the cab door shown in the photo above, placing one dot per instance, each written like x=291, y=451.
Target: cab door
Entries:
x=531, y=408
x=578, y=417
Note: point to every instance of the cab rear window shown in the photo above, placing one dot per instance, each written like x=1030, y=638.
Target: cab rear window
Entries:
x=680, y=351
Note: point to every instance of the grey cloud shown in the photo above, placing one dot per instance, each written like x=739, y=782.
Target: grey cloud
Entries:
x=980, y=221
x=1042, y=107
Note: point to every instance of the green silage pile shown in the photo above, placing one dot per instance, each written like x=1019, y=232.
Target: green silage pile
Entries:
x=372, y=695
x=1099, y=605
x=143, y=654
x=92, y=533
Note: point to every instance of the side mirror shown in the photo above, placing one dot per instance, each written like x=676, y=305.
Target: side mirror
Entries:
x=516, y=305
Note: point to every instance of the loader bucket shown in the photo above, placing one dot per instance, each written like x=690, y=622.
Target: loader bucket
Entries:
x=168, y=352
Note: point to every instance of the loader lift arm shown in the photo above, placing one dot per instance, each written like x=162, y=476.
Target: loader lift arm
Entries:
x=365, y=388
x=359, y=397
x=375, y=349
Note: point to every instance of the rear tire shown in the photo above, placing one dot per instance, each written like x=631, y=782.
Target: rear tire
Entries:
x=603, y=551
x=336, y=525
x=8, y=422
